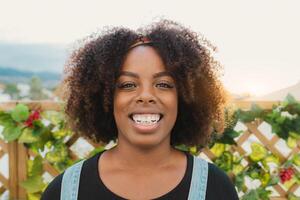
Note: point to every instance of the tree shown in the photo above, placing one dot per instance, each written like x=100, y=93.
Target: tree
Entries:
x=36, y=89
x=12, y=90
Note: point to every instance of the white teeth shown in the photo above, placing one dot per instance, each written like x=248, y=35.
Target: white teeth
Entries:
x=146, y=119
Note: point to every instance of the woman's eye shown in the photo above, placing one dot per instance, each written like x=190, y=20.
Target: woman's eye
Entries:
x=165, y=85
x=126, y=85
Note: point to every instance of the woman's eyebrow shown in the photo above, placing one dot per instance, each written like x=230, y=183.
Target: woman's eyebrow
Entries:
x=135, y=75
x=160, y=74
x=126, y=73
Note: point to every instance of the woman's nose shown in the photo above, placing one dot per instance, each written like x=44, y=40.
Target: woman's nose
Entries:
x=146, y=95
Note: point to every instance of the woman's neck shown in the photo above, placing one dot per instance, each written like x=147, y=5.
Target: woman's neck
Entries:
x=128, y=157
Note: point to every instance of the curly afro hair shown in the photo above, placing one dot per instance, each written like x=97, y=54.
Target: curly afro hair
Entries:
x=92, y=70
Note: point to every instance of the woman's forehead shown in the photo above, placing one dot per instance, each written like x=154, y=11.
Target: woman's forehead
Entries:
x=143, y=56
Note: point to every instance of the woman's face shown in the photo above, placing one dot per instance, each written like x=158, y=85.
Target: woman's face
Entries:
x=145, y=99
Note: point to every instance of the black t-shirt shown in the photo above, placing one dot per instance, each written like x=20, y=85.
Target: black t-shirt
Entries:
x=91, y=187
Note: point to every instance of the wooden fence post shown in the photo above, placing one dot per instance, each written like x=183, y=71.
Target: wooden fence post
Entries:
x=18, y=157
x=22, y=170
x=13, y=172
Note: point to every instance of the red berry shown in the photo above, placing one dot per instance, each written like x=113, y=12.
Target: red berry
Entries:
x=286, y=174
x=35, y=115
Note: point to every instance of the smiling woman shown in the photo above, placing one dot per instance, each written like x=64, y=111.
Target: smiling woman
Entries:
x=145, y=100
x=148, y=90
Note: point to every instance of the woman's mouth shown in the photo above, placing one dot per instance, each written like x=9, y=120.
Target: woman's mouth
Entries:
x=146, y=122
x=146, y=119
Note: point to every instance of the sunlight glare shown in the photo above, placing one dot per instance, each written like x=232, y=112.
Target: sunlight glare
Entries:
x=256, y=89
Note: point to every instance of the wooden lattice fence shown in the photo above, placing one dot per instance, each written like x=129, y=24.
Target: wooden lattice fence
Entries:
x=18, y=154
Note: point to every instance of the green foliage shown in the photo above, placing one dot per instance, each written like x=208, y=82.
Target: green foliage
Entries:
x=254, y=113
x=11, y=132
x=35, y=166
x=284, y=118
x=260, y=193
x=225, y=161
x=33, y=184
x=20, y=113
x=96, y=150
x=27, y=136
x=228, y=135
x=258, y=152
x=182, y=147
x=293, y=197
x=28, y=127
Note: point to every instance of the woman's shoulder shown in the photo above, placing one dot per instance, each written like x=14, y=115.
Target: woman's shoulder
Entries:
x=53, y=190
x=217, y=173
x=219, y=184
x=214, y=172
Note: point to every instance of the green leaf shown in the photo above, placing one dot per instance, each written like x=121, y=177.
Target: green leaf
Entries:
x=237, y=169
x=27, y=136
x=225, y=161
x=59, y=134
x=218, y=149
x=11, y=132
x=59, y=154
x=38, y=123
x=228, y=137
x=295, y=135
x=36, y=167
x=263, y=193
x=33, y=184
x=251, y=195
x=6, y=119
x=245, y=116
x=239, y=181
x=96, y=150
x=273, y=181
x=291, y=142
x=182, y=147
x=260, y=193
x=265, y=179
x=291, y=196
x=258, y=152
x=193, y=150
x=34, y=196
x=38, y=130
x=20, y=113
x=254, y=173
x=54, y=117
x=296, y=159
x=270, y=159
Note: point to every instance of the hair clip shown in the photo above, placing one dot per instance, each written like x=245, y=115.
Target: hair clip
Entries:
x=141, y=41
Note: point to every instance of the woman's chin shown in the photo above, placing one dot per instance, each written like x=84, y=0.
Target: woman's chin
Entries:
x=147, y=142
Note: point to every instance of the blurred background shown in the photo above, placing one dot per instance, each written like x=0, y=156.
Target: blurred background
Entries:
x=258, y=41
x=257, y=44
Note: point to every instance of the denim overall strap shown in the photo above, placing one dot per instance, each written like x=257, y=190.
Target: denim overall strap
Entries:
x=199, y=179
x=70, y=182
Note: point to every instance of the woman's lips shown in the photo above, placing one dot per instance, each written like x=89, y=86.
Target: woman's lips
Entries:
x=145, y=128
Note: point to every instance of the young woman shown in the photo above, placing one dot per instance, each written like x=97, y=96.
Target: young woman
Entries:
x=148, y=90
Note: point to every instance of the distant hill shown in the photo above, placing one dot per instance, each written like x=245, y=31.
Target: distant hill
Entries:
x=33, y=57
x=19, y=62
x=11, y=75
x=280, y=95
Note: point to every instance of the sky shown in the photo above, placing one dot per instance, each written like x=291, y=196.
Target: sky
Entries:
x=258, y=41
